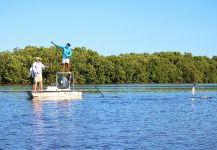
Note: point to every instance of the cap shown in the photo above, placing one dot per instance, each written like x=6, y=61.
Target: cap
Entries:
x=68, y=44
x=38, y=58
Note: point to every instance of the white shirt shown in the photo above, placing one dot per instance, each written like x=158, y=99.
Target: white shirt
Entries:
x=37, y=67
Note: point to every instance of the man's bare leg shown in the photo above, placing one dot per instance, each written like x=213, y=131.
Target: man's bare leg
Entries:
x=67, y=66
x=34, y=86
x=63, y=67
x=40, y=86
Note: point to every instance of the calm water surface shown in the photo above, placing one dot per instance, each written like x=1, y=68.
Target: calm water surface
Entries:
x=155, y=119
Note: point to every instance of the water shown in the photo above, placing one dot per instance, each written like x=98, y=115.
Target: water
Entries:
x=123, y=119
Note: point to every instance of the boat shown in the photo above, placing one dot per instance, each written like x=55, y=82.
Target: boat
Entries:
x=61, y=90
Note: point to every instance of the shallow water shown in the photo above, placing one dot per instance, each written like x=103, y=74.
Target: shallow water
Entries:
x=123, y=119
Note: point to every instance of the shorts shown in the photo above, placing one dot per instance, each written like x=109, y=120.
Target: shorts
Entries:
x=65, y=60
x=38, y=78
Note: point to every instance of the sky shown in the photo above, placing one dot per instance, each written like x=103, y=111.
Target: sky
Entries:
x=111, y=27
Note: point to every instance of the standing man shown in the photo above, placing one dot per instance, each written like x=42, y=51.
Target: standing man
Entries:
x=66, y=54
x=36, y=74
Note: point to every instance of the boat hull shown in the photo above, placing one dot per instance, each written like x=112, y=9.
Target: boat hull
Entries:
x=55, y=95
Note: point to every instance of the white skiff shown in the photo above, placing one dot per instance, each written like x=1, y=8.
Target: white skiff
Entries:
x=55, y=95
x=61, y=91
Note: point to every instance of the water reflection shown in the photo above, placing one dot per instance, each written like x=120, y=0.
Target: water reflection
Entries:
x=36, y=105
x=39, y=132
x=53, y=121
x=193, y=103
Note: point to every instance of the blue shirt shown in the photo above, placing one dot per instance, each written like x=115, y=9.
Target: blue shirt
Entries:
x=66, y=52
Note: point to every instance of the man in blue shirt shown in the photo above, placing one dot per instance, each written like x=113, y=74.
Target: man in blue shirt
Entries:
x=66, y=54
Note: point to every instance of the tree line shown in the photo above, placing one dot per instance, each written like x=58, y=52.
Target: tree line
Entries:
x=90, y=67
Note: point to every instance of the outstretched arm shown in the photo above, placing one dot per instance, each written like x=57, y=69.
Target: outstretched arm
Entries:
x=59, y=47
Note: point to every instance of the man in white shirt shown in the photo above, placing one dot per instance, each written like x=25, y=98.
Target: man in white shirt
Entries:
x=36, y=73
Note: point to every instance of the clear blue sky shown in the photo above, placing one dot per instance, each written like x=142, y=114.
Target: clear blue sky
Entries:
x=112, y=27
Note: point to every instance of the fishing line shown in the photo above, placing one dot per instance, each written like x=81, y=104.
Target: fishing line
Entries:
x=88, y=78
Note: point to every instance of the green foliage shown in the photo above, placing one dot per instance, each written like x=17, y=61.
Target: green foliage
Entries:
x=90, y=67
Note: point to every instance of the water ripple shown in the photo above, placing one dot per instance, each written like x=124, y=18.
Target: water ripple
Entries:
x=121, y=120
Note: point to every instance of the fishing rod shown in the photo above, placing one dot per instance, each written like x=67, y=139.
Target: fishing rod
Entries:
x=82, y=72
